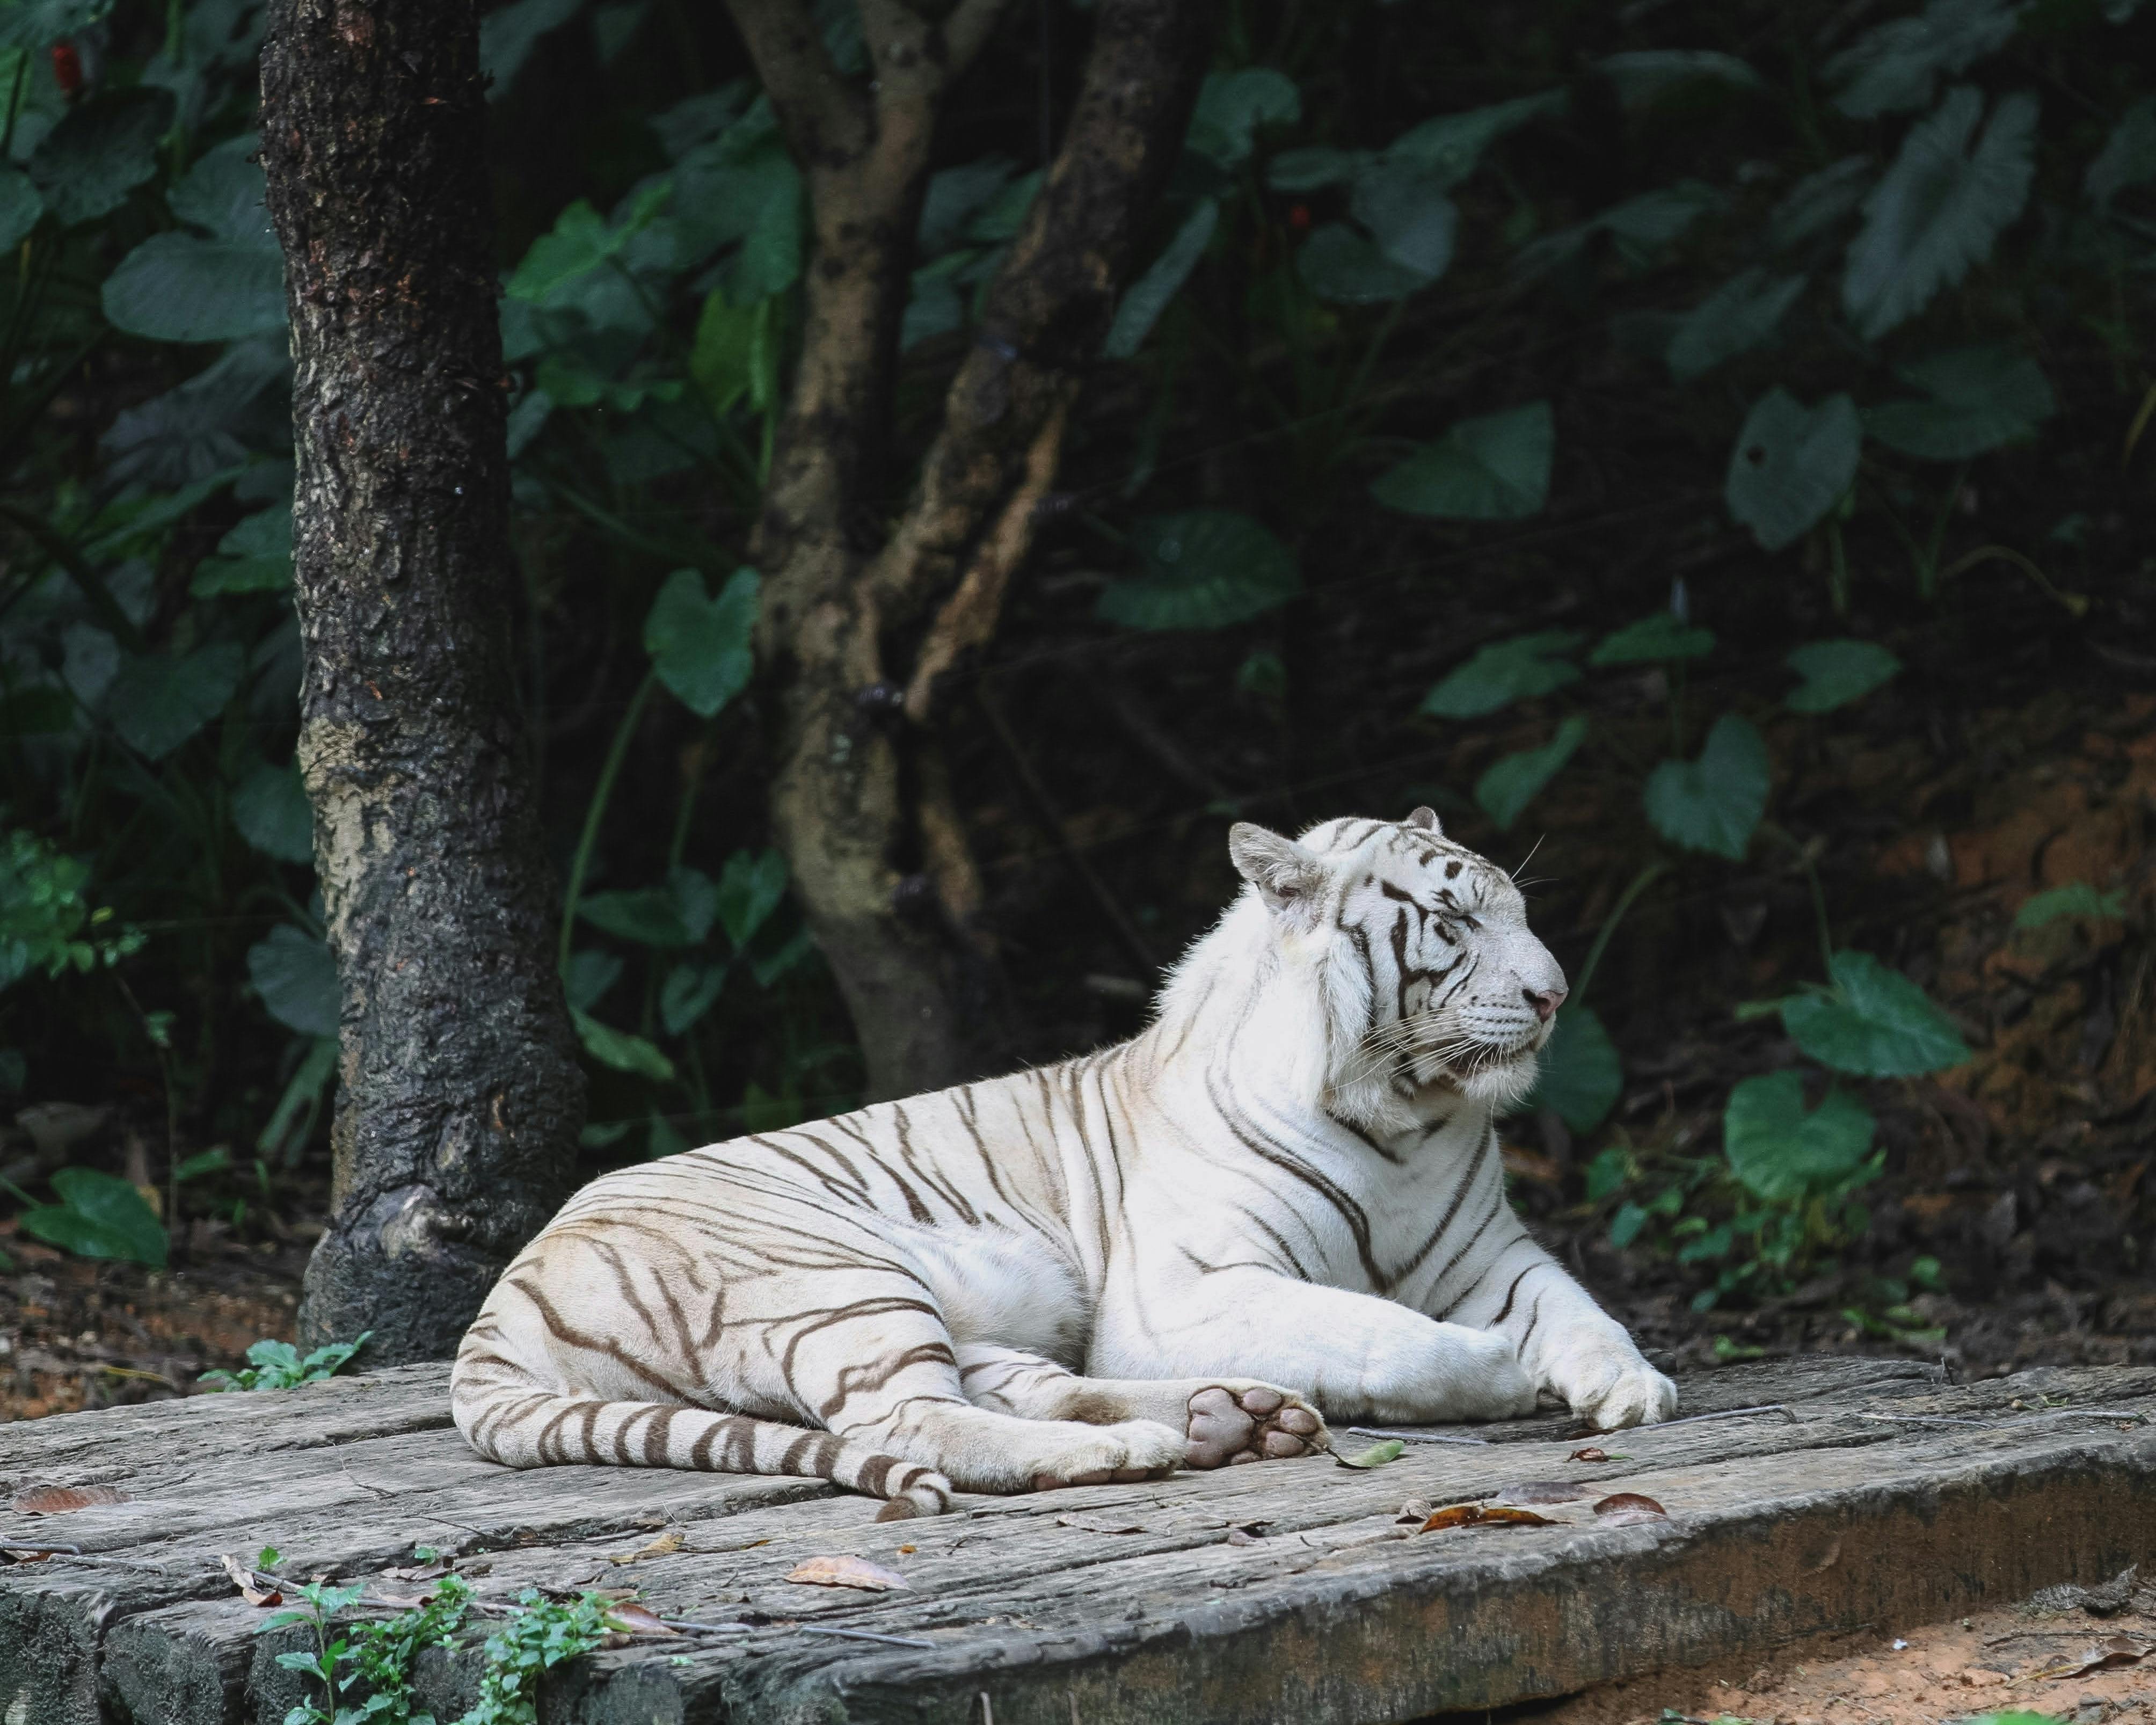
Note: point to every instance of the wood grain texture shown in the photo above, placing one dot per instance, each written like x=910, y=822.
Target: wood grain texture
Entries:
x=1133, y=1603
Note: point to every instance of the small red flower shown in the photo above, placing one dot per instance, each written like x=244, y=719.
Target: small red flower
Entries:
x=1298, y=216
x=67, y=68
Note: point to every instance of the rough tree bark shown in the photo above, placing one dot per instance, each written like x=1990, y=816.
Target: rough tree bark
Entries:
x=460, y=1093
x=860, y=799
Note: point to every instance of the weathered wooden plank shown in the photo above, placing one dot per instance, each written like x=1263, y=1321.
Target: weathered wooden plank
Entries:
x=1857, y=1500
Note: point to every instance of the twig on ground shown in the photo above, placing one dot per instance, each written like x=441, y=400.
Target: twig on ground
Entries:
x=853, y=1634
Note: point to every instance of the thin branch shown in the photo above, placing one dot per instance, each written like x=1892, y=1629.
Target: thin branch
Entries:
x=824, y=117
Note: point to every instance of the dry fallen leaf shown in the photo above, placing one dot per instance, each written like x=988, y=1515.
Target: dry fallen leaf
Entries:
x=2106, y=1656
x=1473, y=1515
x=255, y=1589
x=1624, y=1506
x=1592, y=1455
x=847, y=1572
x=1543, y=1491
x=665, y=1546
x=634, y=1619
x=1377, y=1455
x=59, y=1500
x=907, y=1551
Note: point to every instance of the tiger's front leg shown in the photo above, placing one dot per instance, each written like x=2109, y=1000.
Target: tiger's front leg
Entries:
x=1357, y=1357
x=1569, y=1344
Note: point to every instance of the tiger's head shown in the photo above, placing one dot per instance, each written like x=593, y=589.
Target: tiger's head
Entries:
x=1428, y=978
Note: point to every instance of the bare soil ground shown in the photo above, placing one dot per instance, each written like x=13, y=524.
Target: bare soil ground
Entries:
x=2066, y=1664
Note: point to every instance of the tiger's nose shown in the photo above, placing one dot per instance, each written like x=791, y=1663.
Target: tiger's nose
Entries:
x=1545, y=1003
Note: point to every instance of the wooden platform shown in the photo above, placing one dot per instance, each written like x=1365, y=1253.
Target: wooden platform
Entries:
x=1869, y=1493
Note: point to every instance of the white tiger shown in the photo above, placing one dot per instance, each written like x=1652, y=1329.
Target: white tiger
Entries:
x=1286, y=1198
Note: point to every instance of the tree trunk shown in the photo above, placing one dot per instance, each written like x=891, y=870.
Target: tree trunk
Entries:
x=860, y=800
x=460, y=1095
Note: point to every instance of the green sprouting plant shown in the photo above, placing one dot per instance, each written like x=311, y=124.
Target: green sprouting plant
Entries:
x=539, y=1635
x=365, y=1665
x=278, y=1365
x=46, y=921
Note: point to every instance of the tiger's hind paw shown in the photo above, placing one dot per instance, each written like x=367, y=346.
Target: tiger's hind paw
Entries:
x=1250, y=1422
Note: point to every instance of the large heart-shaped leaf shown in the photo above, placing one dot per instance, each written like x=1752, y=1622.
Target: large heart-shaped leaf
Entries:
x=180, y=287
x=702, y=647
x=1737, y=316
x=1495, y=468
x=1875, y=1023
x=1940, y=208
x=2128, y=156
x=750, y=888
x=1512, y=781
x=1519, y=668
x=158, y=701
x=587, y=976
x=1818, y=201
x=1835, y=672
x=1340, y=264
x=1148, y=296
x=647, y=916
x=295, y=976
x=1780, y=1150
x=20, y=207
x=1231, y=107
x=254, y=556
x=1580, y=1074
x=1897, y=65
x=1980, y=399
x=1204, y=568
x=270, y=807
x=1791, y=465
x=100, y=1215
x=1714, y=803
x=688, y=992
x=1451, y=147
x=1659, y=639
x=1645, y=76
x=100, y=152
x=222, y=193
x=1408, y=215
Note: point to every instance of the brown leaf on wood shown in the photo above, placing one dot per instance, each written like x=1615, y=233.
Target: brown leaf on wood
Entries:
x=1476, y=1514
x=1623, y=1507
x=1543, y=1491
x=634, y=1619
x=59, y=1500
x=255, y=1589
x=665, y=1546
x=847, y=1572
x=2105, y=1656
x=1589, y=1455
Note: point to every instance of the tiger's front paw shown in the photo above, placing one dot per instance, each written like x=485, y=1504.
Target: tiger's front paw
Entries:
x=1615, y=1393
x=1238, y=1422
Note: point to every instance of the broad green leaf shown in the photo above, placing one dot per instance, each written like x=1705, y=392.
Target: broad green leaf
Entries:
x=1645, y=76
x=1521, y=667
x=180, y=287
x=1315, y=168
x=1642, y=227
x=687, y=994
x=1874, y=1022
x=735, y=354
x=1451, y=147
x=1818, y=201
x=508, y=34
x=750, y=885
x=1510, y=783
x=255, y=557
x=1377, y=1455
x=998, y=221
x=1940, y=208
x=1713, y=803
x=702, y=648
x=1781, y=1152
x=1148, y=296
x=935, y=307
x=1791, y=465
x=1203, y=569
x=1492, y=469
x=620, y=1050
x=1897, y=65
x=2128, y=158
x=40, y=23
x=955, y=196
x=20, y=207
x=2079, y=898
x=1231, y=107
x=270, y=807
x=1408, y=216
x=1981, y=398
x=588, y=975
x=295, y=976
x=647, y=916
x=100, y=152
x=222, y=193
x=581, y=239
x=99, y=1215
x=1735, y=317
x=699, y=119
x=1580, y=1074
x=662, y=1140
x=157, y=701
x=695, y=899
x=768, y=966
x=1656, y=639
x=1339, y=264
x=1835, y=672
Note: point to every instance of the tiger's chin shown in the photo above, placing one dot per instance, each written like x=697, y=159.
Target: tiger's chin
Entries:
x=1500, y=1079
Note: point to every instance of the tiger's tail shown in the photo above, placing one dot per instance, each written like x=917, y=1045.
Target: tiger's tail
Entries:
x=521, y=1424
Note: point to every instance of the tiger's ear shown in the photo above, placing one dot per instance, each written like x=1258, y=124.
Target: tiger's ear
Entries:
x=1285, y=874
x=1425, y=818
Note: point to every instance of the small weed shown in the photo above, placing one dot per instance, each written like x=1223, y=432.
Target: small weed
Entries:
x=278, y=1365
